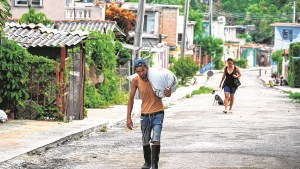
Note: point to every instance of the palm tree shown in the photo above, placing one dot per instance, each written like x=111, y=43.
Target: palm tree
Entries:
x=4, y=12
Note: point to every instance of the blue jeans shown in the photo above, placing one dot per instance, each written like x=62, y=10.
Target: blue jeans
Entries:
x=151, y=123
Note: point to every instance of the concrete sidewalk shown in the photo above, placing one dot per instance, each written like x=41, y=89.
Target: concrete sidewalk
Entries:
x=18, y=137
x=265, y=76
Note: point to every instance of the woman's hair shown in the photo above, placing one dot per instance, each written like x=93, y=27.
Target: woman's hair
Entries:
x=229, y=59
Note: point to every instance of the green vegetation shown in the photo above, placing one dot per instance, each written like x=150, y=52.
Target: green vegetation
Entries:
x=202, y=90
x=27, y=86
x=213, y=47
x=188, y=96
x=33, y=17
x=4, y=12
x=294, y=69
x=242, y=63
x=295, y=96
x=103, y=129
x=260, y=13
x=184, y=69
x=101, y=52
x=277, y=58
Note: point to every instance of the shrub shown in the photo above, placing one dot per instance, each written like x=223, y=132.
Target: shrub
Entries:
x=294, y=69
x=27, y=84
x=277, y=58
x=243, y=63
x=184, y=69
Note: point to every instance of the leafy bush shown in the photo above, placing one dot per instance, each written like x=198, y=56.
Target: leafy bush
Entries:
x=294, y=69
x=13, y=75
x=27, y=82
x=33, y=17
x=219, y=64
x=184, y=68
x=277, y=58
x=101, y=52
x=243, y=63
x=188, y=96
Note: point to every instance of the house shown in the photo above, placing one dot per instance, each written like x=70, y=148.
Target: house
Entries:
x=254, y=52
x=54, y=44
x=189, y=32
x=285, y=34
x=160, y=32
x=62, y=10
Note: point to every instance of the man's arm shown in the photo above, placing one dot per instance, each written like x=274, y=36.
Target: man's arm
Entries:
x=131, y=102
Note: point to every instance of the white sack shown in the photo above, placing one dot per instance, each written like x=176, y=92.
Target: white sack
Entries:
x=160, y=80
x=3, y=116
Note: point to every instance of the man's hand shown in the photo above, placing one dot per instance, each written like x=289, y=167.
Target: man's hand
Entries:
x=129, y=123
x=167, y=92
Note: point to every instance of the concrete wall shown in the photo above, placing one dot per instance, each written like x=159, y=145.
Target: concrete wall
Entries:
x=168, y=25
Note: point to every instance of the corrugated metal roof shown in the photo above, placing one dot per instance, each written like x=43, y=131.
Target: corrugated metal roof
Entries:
x=38, y=35
x=286, y=24
x=88, y=25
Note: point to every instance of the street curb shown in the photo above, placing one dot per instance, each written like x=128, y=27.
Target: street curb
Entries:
x=66, y=139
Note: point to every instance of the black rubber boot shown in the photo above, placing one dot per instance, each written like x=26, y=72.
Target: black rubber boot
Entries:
x=147, y=157
x=155, y=156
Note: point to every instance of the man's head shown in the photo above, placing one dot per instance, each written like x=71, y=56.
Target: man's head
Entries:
x=141, y=68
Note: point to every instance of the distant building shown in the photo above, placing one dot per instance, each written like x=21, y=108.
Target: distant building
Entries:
x=285, y=34
x=160, y=32
x=62, y=10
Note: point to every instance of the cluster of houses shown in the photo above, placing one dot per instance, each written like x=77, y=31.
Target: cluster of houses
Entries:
x=162, y=35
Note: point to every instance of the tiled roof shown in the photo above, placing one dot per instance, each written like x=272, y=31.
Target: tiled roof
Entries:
x=88, y=25
x=38, y=35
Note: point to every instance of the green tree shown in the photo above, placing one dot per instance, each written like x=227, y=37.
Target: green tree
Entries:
x=4, y=12
x=277, y=58
x=212, y=47
x=184, y=69
x=257, y=12
x=33, y=17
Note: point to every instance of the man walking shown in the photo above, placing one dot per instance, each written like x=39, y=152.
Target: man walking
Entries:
x=152, y=113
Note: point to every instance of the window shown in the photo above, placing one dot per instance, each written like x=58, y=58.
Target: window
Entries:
x=287, y=34
x=179, y=37
x=145, y=23
x=34, y=3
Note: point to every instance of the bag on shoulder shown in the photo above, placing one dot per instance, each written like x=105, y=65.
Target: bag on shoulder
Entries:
x=237, y=82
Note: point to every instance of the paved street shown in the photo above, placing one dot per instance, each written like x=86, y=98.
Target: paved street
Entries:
x=262, y=132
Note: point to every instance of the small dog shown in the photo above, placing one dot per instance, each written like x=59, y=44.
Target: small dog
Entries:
x=218, y=100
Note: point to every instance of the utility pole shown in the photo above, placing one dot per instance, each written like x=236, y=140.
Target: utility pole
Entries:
x=210, y=16
x=186, y=14
x=294, y=11
x=139, y=30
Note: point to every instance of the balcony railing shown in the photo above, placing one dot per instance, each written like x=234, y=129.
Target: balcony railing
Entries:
x=78, y=13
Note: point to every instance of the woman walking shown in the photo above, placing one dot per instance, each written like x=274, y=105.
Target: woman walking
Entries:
x=230, y=73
